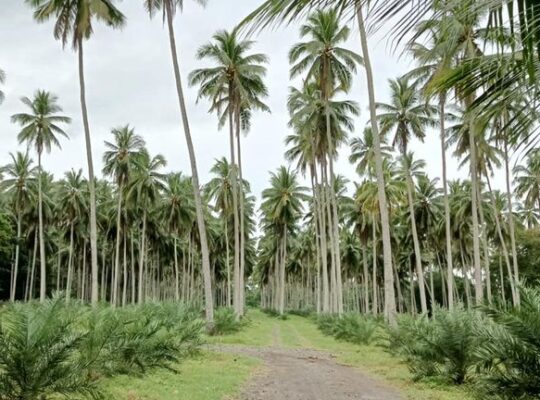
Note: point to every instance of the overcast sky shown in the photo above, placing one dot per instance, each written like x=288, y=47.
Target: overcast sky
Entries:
x=129, y=80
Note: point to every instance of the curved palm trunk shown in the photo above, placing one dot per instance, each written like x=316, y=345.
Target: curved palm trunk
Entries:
x=416, y=244
x=447, y=222
x=114, y=300
x=16, y=265
x=70, y=264
x=42, y=256
x=209, y=304
x=511, y=221
x=389, y=298
x=91, y=181
x=241, y=210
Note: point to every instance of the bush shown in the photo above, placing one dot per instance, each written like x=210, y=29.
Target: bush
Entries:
x=225, y=322
x=442, y=347
x=275, y=314
x=509, y=351
x=39, y=353
x=350, y=327
x=57, y=349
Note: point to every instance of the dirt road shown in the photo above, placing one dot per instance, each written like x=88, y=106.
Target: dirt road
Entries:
x=303, y=374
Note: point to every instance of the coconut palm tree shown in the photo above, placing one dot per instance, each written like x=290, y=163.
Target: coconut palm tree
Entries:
x=119, y=160
x=363, y=154
x=75, y=24
x=234, y=85
x=19, y=177
x=73, y=205
x=528, y=180
x=331, y=66
x=40, y=128
x=144, y=188
x=178, y=214
x=282, y=207
x=169, y=8
x=405, y=117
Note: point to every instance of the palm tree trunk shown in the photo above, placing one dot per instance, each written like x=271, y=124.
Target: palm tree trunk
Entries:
x=328, y=210
x=176, y=272
x=478, y=285
x=366, y=279
x=70, y=264
x=319, y=206
x=132, y=262
x=511, y=220
x=42, y=256
x=485, y=246
x=447, y=223
x=389, y=298
x=117, y=253
x=416, y=244
x=503, y=242
x=209, y=304
x=375, y=306
x=142, y=253
x=313, y=172
x=91, y=181
x=227, y=260
x=125, y=280
x=33, y=272
x=16, y=265
x=282, y=274
x=241, y=205
x=333, y=205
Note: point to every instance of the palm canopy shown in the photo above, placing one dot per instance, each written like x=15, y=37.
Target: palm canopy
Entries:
x=19, y=179
x=153, y=6
x=41, y=125
x=147, y=180
x=73, y=197
x=282, y=201
x=322, y=56
x=407, y=115
x=119, y=158
x=363, y=152
x=528, y=180
x=219, y=189
x=308, y=119
x=235, y=81
x=75, y=19
x=177, y=204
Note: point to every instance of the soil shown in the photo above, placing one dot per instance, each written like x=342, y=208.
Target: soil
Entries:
x=303, y=374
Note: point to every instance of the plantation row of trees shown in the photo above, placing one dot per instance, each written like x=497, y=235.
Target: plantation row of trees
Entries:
x=143, y=234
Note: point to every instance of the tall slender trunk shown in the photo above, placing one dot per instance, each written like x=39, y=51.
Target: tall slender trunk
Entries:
x=83, y=282
x=142, y=253
x=16, y=265
x=503, y=242
x=116, y=281
x=333, y=201
x=416, y=244
x=328, y=210
x=176, y=272
x=366, y=278
x=132, y=262
x=447, y=222
x=313, y=172
x=209, y=304
x=42, y=256
x=375, y=306
x=485, y=245
x=33, y=272
x=91, y=180
x=282, y=274
x=70, y=264
x=511, y=220
x=125, y=277
x=324, y=248
x=389, y=298
x=241, y=210
x=228, y=261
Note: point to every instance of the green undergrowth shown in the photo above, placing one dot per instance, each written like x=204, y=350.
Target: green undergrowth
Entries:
x=209, y=376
